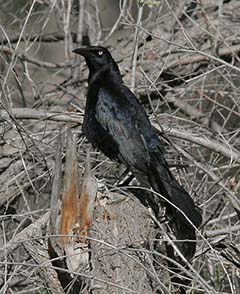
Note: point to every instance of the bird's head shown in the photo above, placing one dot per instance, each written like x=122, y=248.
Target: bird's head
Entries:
x=96, y=57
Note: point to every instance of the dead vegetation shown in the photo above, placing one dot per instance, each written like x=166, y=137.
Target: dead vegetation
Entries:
x=181, y=58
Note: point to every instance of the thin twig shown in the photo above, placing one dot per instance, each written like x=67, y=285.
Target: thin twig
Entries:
x=135, y=48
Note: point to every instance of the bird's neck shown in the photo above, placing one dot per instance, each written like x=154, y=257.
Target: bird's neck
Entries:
x=110, y=74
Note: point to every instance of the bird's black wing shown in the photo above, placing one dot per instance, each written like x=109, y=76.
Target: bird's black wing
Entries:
x=125, y=121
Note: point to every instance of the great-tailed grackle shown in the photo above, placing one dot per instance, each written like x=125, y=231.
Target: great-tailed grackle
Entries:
x=117, y=124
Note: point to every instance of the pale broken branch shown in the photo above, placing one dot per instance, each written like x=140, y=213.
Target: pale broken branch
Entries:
x=77, y=212
x=29, y=113
x=56, y=252
x=209, y=143
x=70, y=192
x=87, y=199
x=76, y=216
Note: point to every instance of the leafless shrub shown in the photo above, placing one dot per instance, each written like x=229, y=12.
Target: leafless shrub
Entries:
x=182, y=60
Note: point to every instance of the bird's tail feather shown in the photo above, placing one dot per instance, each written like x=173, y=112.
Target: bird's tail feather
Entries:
x=180, y=207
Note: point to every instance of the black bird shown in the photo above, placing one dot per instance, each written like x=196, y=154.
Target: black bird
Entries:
x=116, y=123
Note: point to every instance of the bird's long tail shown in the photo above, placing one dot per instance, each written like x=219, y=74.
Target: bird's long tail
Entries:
x=180, y=207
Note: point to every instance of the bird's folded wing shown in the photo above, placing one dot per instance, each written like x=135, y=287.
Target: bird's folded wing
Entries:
x=121, y=122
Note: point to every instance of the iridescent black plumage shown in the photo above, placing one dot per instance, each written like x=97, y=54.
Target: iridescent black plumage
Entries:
x=117, y=124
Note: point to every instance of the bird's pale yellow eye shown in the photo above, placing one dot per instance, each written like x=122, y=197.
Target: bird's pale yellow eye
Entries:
x=100, y=53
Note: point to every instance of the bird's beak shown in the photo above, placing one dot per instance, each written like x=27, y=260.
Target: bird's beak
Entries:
x=84, y=51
